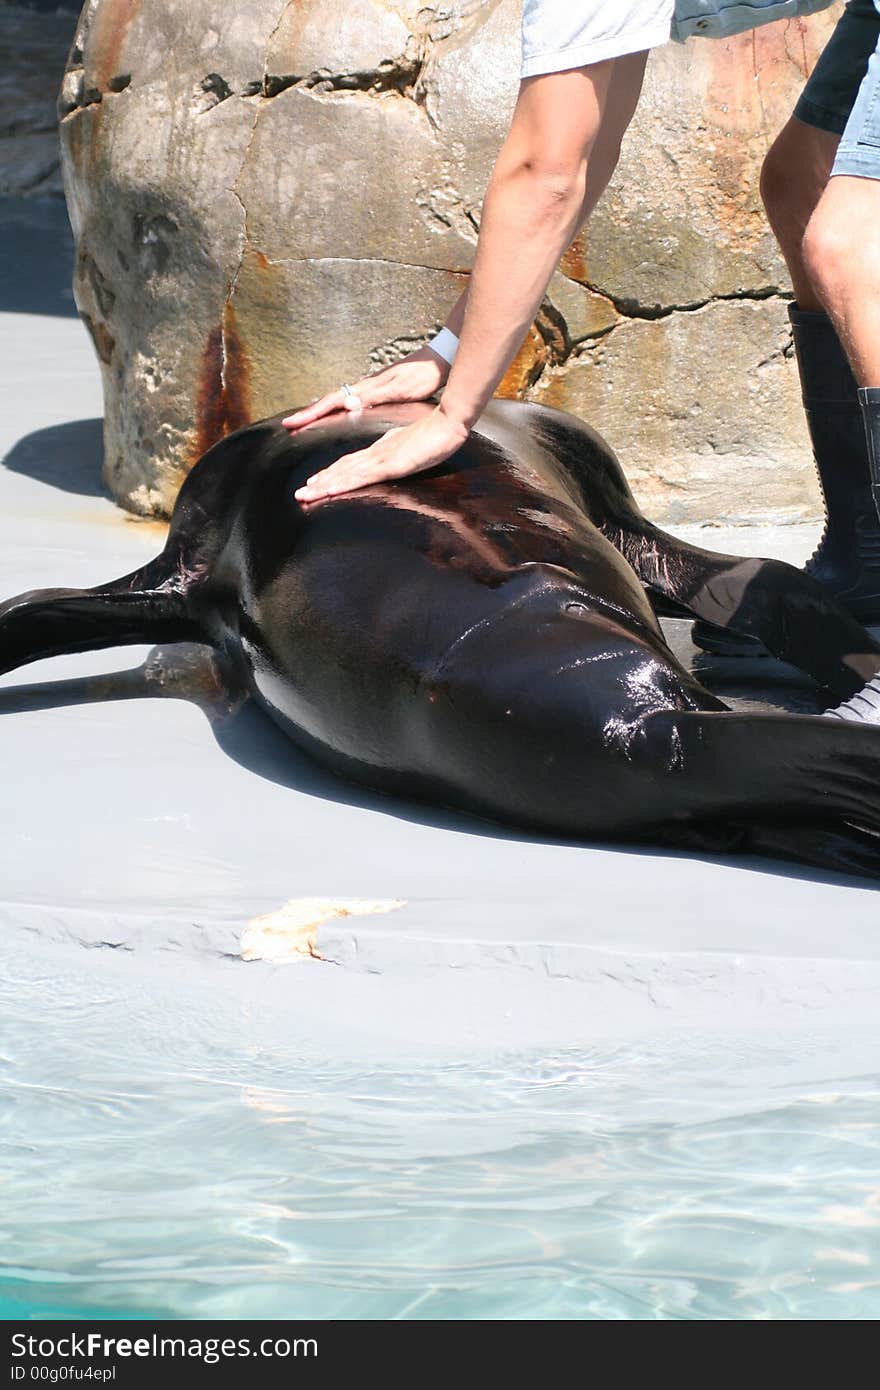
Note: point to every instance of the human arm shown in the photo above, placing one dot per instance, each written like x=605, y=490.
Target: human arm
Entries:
x=562, y=147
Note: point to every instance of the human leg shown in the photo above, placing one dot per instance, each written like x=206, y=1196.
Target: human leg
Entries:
x=842, y=250
x=794, y=176
x=842, y=254
x=794, y=185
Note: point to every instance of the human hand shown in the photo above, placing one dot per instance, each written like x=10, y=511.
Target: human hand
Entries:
x=400, y=452
x=415, y=378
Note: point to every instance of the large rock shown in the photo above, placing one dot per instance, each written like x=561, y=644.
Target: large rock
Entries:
x=270, y=197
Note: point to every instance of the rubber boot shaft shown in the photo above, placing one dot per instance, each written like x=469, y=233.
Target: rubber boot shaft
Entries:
x=847, y=558
x=869, y=400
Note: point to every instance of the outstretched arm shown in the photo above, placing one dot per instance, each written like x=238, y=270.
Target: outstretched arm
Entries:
x=562, y=147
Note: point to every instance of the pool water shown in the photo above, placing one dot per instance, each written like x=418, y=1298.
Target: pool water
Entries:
x=168, y=1161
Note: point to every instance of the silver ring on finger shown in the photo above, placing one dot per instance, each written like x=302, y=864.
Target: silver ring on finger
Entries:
x=351, y=399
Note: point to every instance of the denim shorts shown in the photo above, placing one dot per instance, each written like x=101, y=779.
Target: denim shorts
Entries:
x=843, y=93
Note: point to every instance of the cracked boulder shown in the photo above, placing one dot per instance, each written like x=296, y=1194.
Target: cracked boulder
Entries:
x=704, y=409
x=272, y=197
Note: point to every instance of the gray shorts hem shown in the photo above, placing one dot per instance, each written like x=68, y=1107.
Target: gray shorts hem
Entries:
x=584, y=55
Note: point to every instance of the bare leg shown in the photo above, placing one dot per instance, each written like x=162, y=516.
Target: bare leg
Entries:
x=841, y=251
x=793, y=179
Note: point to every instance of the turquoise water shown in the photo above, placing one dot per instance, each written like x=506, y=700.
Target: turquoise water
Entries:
x=206, y=1170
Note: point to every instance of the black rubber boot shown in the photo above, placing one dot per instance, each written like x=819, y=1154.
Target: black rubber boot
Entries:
x=869, y=400
x=847, y=558
x=864, y=707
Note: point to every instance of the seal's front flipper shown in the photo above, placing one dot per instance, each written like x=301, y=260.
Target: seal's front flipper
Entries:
x=51, y=622
x=795, y=618
x=183, y=671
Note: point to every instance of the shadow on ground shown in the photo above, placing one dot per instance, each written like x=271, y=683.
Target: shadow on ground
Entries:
x=191, y=672
x=68, y=456
x=36, y=257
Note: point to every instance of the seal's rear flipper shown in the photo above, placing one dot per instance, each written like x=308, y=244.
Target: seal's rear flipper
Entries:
x=795, y=618
x=845, y=849
x=51, y=622
x=835, y=847
x=792, y=786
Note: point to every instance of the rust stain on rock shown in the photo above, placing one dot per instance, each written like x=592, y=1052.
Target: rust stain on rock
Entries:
x=223, y=403
x=106, y=37
x=574, y=260
x=753, y=74
x=105, y=343
x=557, y=392
x=525, y=368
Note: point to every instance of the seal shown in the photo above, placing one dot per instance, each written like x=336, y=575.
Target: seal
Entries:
x=485, y=635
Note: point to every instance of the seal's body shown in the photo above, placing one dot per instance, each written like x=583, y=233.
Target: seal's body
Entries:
x=484, y=634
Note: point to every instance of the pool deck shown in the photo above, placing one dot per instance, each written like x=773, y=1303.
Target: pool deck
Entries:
x=144, y=825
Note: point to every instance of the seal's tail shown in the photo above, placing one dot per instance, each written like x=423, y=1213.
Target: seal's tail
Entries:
x=141, y=607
